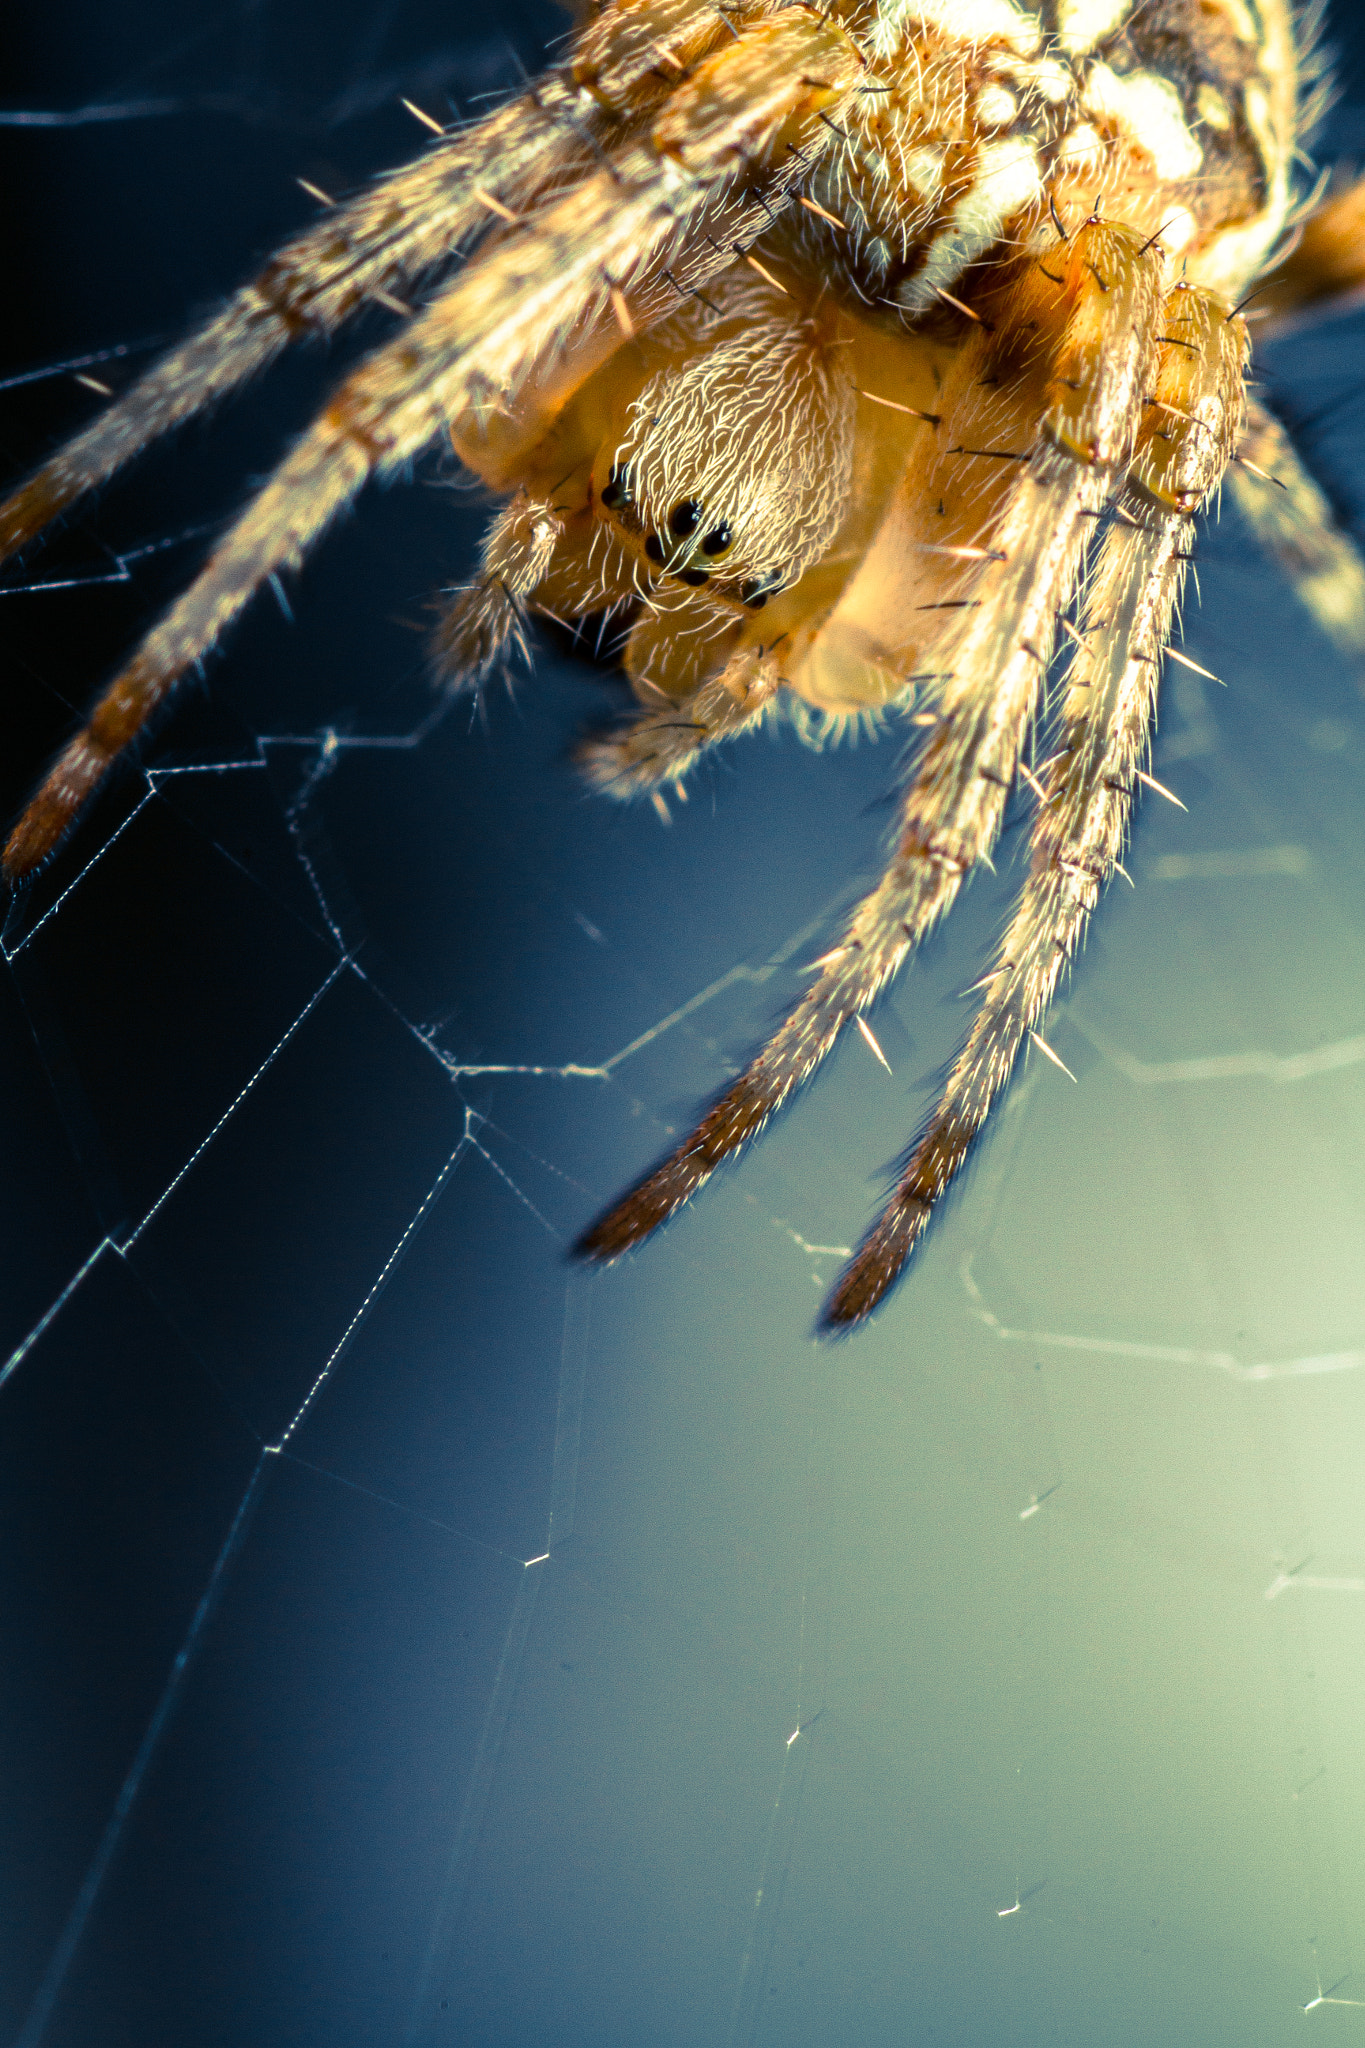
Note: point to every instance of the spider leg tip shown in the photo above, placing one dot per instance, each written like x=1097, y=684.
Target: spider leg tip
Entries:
x=610, y=1236
x=849, y=1304
x=834, y=1324
x=30, y=846
x=589, y=1248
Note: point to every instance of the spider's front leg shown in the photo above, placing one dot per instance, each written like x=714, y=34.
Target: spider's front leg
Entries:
x=375, y=245
x=1080, y=338
x=502, y=350
x=1194, y=414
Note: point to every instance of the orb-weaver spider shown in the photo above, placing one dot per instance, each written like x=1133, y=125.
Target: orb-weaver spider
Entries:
x=853, y=358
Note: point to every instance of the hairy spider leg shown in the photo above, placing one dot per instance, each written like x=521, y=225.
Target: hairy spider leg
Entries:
x=1324, y=271
x=405, y=225
x=1090, y=405
x=514, y=335
x=1194, y=415
x=1290, y=516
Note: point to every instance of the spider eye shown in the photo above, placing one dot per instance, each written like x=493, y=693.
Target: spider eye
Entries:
x=718, y=539
x=616, y=488
x=694, y=576
x=754, y=595
x=684, y=519
x=654, y=548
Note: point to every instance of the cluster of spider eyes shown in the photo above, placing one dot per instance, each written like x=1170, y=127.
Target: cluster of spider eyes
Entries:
x=683, y=521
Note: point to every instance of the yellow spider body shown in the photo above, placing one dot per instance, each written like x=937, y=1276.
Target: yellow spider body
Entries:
x=850, y=362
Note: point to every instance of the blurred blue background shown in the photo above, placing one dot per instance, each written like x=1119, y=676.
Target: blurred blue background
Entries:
x=412, y=1640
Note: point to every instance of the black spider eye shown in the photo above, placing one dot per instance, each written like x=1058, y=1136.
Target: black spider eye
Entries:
x=754, y=595
x=718, y=539
x=614, y=490
x=694, y=576
x=685, y=518
x=654, y=548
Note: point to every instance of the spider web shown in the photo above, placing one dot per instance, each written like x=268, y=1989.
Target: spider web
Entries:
x=412, y=1640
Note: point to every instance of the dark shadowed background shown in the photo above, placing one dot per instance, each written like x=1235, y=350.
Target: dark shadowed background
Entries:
x=411, y=1641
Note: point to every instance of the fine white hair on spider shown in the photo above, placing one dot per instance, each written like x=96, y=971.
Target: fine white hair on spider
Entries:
x=843, y=358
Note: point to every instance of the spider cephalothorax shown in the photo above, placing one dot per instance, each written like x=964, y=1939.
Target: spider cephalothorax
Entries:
x=849, y=359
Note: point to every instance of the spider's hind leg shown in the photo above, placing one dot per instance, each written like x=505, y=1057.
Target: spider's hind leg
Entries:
x=1086, y=798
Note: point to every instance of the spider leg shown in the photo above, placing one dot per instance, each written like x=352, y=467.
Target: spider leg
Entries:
x=995, y=658
x=1293, y=521
x=1324, y=272
x=1083, y=815
x=660, y=745
x=489, y=617
x=315, y=283
x=522, y=326
x=404, y=225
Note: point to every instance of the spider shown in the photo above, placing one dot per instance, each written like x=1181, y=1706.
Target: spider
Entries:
x=852, y=362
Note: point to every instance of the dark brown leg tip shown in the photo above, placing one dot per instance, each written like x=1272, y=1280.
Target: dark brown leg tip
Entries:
x=873, y=1271
x=32, y=841
x=631, y=1221
x=54, y=810
x=608, y=1238
x=844, y=1310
